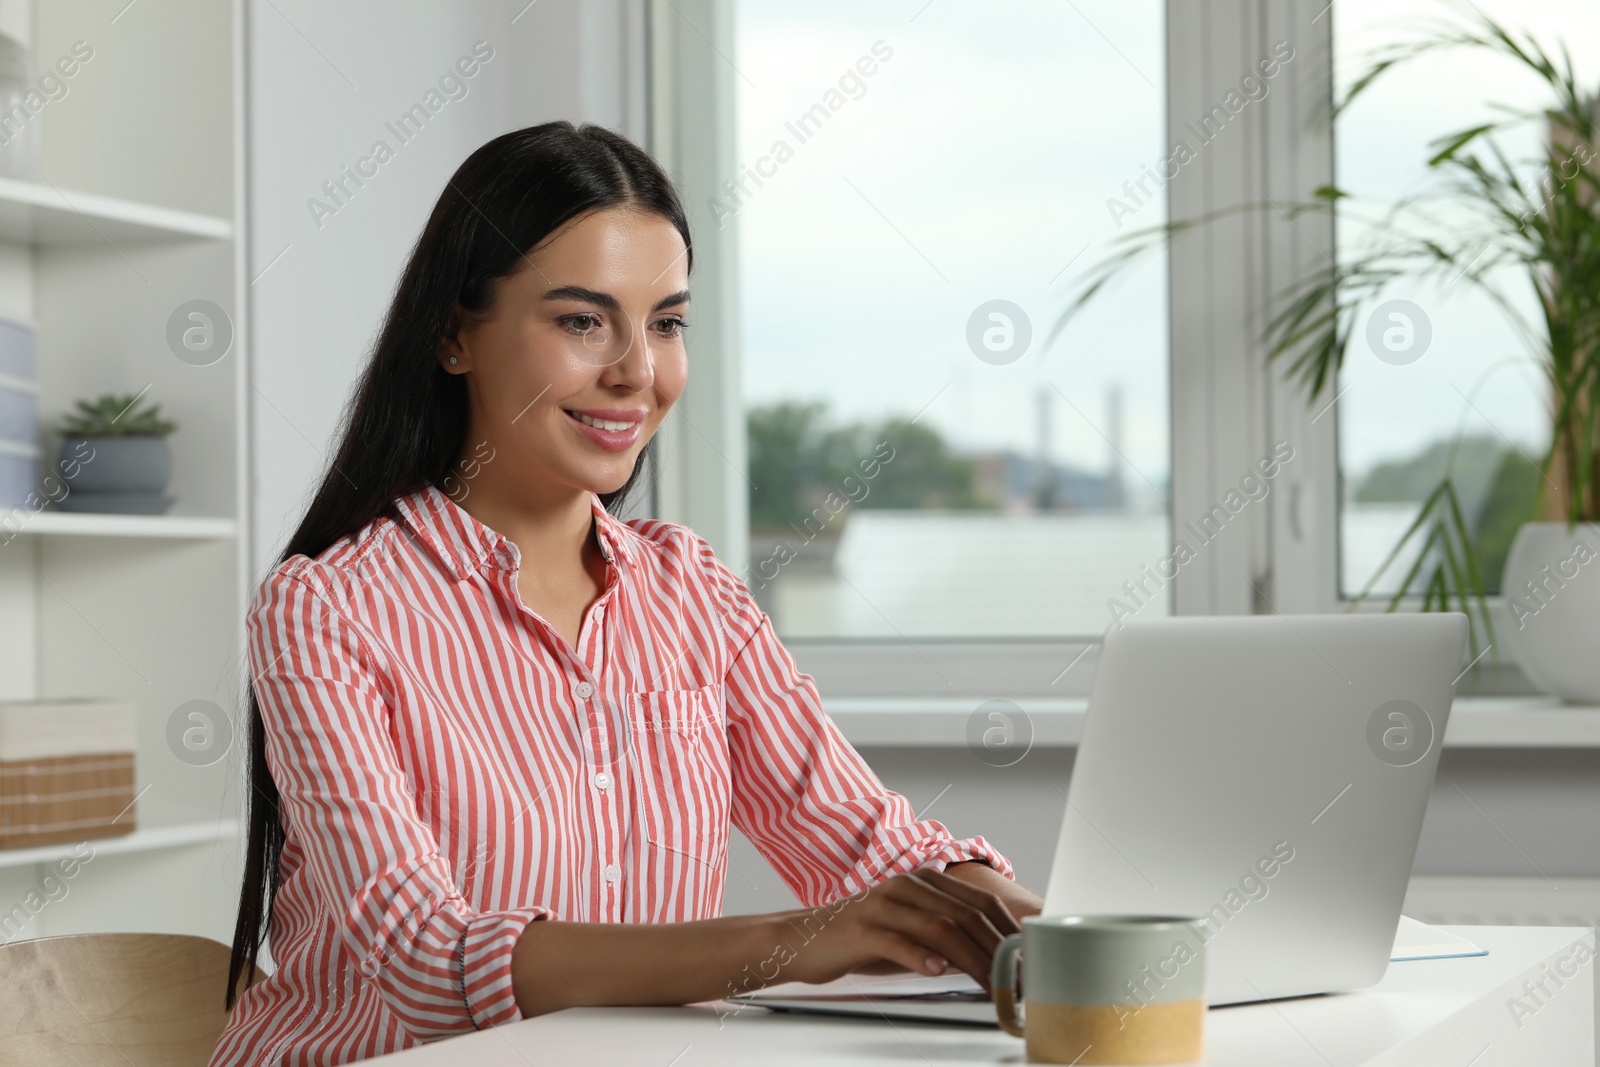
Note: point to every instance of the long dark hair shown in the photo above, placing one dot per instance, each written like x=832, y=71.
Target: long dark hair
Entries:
x=405, y=424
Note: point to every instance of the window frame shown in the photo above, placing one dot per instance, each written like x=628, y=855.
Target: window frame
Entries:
x=1228, y=407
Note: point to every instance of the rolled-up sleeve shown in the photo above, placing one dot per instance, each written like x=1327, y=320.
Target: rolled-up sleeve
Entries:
x=801, y=793
x=440, y=966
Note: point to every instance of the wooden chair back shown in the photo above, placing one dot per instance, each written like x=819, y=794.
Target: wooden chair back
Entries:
x=122, y=1000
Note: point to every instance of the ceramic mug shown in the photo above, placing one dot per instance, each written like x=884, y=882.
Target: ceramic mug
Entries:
x=1105, y=989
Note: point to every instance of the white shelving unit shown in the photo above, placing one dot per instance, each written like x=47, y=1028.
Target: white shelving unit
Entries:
x=138, y=208
x=150, y=839
x=73, y=524
x=33, y=213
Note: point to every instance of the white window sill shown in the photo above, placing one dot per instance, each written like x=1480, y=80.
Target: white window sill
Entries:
x=941, y=722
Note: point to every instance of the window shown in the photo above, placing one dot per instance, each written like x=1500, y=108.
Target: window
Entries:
x=918, y=187
x=1457, y=389
x=867, y=179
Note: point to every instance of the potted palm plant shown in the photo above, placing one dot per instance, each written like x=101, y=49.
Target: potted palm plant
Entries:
x=1514, y=223
x=115, y=457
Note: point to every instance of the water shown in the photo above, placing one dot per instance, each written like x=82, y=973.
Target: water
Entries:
x=941, y=574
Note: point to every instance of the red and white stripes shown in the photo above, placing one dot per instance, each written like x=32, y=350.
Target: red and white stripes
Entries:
x=450, y=770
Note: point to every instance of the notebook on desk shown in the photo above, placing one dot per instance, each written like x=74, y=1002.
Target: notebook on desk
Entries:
x=958, y=998
x=1419, y=941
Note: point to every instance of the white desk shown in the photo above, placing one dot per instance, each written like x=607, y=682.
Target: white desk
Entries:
x=1432, y=1013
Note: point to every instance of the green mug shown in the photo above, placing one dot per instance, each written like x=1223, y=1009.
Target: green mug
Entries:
x=1105, y=989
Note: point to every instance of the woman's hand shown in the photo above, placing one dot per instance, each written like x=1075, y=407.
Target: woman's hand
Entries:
x=1018, y=899
x=926, y=922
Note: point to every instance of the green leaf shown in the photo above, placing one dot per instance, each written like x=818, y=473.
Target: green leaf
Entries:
x=1456, y=142
x=116, y=415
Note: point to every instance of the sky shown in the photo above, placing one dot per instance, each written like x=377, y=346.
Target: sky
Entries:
x=942, y=183
x=974, y=164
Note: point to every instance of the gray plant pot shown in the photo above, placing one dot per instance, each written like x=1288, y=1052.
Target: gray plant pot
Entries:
x=115, y=474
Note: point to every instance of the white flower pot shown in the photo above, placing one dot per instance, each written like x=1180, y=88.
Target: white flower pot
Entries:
x=1552, y=590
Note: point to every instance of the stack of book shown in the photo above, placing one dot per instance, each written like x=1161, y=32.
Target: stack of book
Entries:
x=66, y=771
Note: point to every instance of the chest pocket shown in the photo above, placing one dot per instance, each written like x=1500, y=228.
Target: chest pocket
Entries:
x=684, y=781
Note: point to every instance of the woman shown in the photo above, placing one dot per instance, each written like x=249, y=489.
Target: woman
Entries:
x=497, y=735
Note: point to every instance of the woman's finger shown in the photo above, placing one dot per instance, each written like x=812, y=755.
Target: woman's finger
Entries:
x=939, y=935
x=921, y=893
x=985, y=901
x=881, y=966
x=904, y=952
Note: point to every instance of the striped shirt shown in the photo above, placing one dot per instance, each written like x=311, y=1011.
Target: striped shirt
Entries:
x=450, y=769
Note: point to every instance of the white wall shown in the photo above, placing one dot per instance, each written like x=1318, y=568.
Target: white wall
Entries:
x=324, y=79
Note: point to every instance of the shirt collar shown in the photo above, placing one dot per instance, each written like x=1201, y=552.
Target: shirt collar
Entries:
x=611, y=532
x=462, y=544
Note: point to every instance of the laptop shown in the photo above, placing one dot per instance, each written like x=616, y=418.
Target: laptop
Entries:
x=1267, y=774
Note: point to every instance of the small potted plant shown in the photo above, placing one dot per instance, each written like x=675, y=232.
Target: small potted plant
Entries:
x=115, y=458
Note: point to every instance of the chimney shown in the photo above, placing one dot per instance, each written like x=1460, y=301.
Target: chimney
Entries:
x=1044, y=469
x=1116, y=497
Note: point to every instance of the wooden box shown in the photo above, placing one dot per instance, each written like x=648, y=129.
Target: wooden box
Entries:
x=66, y=771
x=69, y=798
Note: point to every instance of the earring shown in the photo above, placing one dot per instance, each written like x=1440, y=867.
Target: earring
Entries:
x=454, y=361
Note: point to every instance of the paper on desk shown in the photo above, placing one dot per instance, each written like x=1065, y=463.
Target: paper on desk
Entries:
x=1419, y=941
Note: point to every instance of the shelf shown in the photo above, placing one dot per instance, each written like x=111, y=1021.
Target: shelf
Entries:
x=148, y=839
x=941, y=722
x=84, y=524
x=37, y=213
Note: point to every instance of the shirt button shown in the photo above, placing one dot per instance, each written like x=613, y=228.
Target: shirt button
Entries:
x=612, y=872
x=602, y=780
x=583, y=690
